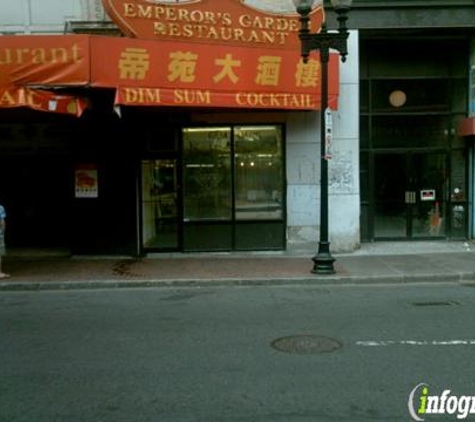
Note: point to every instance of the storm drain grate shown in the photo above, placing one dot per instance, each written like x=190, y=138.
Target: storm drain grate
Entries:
x=306, y=344
x=437, y=303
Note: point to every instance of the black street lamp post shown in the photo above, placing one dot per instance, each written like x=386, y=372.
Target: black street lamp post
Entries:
x=323, y=42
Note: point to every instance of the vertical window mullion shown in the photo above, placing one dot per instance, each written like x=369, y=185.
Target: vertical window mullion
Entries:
x=233, y=187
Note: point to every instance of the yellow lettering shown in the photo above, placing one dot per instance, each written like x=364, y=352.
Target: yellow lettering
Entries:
x=6, y=56
x=253, y=37
x=245, y=21
x=210, y=18
x=41, y=55
x=159, y=28
x=240, y=99
x=75, y=51
x=144, y=12
x=31, y=100
x=212, y=33
x=267, y=100
x=131, y=95
x=226, y=18
x=21, y=52
x=170, y=14
x=203, y=97
x=189, y=96
x=226, y=34
x=187, y=31
x=201, y=29
x=197, y=16
x=268, y=37
x=59, y=55
x=239, y=35
x=129, y=10
x=183, y=15
x=38, y=55
x=152, y=96
x=282, y=36
x=174, y=30
x=268, y=23
x=142, y=96
x=159, y=12
x=7, y=98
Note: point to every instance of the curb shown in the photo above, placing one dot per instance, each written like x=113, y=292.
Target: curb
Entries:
x=467, y=279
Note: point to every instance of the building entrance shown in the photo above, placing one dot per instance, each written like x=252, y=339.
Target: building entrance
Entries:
x=159, y=204
x=410, y=190
x=223, y=189
x=413, y=165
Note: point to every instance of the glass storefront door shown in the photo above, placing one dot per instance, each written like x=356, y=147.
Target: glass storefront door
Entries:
x=160, y=228
x=410, y=193
x=224, y=192
x=233, y=188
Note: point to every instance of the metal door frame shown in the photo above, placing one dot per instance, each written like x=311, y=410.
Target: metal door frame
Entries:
x=410, y=195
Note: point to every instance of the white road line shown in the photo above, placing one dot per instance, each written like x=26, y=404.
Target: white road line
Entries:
x=386, y=343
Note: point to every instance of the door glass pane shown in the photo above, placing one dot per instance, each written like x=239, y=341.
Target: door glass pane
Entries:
x=207, y=185
x=458, y=176
x=430, y=181
x=258, y=172
x=410, y=95
x=390, y=217
x=409, y=131
x=159, y=206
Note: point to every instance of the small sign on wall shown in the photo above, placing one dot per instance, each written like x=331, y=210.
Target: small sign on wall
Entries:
x=428, y=195
x=86, y=181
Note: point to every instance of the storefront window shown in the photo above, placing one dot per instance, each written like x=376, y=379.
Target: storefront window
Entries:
x=207, y=183
x=258, y=172
x=233, y=188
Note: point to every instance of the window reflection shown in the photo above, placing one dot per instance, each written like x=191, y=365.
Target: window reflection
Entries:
x=258, y=170
x=207, y=173
x=257, y=175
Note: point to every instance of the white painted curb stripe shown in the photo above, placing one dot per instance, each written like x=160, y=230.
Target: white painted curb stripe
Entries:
x=385, y=343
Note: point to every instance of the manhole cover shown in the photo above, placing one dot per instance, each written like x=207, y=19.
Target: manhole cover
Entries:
x=306, y=344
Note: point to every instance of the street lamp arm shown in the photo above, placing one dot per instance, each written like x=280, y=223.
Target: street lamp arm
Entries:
x=324, y=42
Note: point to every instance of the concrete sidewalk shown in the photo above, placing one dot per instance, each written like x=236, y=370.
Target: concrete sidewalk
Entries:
x=375, y=263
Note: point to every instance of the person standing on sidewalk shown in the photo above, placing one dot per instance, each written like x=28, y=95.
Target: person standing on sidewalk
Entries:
x=3, y=225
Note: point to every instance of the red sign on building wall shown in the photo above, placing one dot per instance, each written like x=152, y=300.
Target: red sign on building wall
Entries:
x=177, y=74
x=191, y=64
x=249, y=23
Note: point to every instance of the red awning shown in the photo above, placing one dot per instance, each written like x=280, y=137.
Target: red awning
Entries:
x=157, y=73
x=41, y=100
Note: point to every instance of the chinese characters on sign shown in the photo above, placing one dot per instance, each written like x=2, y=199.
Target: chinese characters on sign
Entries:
x=181, y=74
x=150, y=73
x=231, y=53
x=134, y=64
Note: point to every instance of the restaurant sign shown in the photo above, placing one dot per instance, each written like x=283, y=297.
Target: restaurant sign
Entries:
x=151, y=73
x=179, y=74
x=251, y=23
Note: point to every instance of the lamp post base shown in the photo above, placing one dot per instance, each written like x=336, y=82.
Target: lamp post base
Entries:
x=323, y=260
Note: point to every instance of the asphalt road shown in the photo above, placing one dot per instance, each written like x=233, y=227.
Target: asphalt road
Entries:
x=209, y=354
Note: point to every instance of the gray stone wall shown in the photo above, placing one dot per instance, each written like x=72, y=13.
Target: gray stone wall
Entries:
x=303, y=168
